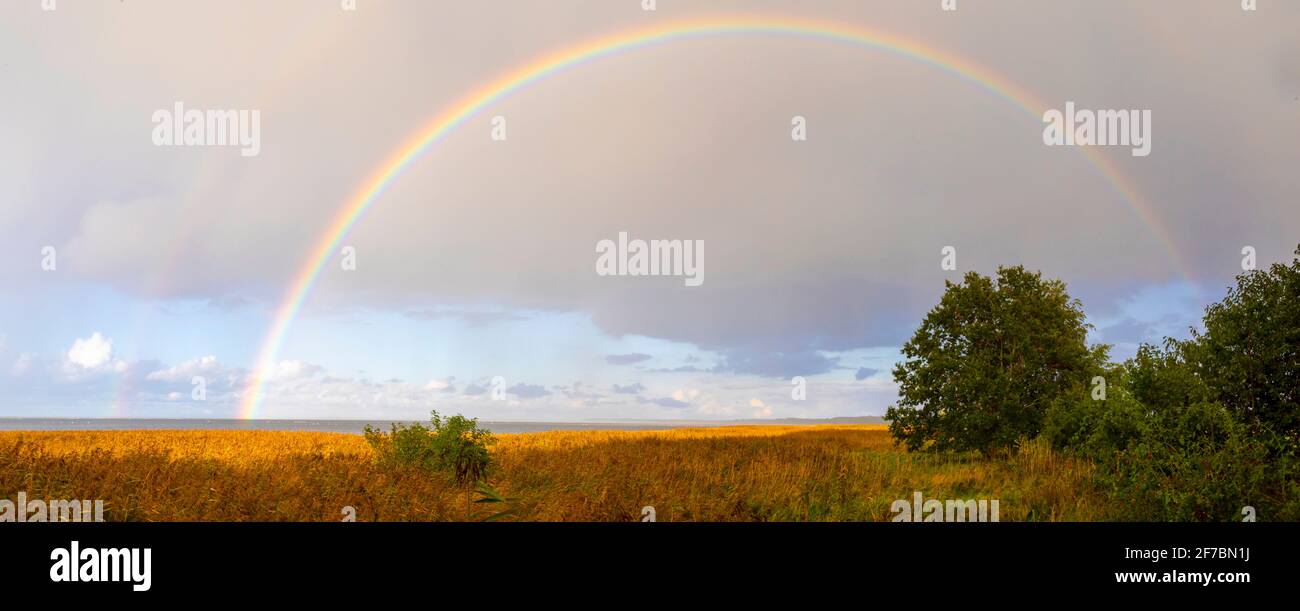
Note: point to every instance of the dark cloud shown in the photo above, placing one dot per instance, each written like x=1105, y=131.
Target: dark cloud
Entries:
x=665, y=402
x=775, y=364
x=626, y=359
x=863, y=373
x=1128, y=331
x=630, y=389
x=528, y=391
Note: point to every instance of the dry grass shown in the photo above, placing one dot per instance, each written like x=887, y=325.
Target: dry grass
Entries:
x=751, y=473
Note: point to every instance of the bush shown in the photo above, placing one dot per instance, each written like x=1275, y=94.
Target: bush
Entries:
x=1198, y=463
x=1177, y=462
x=454, y=445
x=1096, y=428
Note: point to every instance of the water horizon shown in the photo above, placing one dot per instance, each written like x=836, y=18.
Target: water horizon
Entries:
x=355, y=426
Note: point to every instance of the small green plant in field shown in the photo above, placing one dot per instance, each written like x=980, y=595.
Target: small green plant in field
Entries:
x=489, y=495
x=454, y=445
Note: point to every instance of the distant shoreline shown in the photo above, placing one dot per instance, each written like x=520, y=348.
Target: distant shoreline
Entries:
x=328, y=425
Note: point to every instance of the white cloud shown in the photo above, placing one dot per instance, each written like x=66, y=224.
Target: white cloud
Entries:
x=185, y=372
x=293, y=370
x=686, y=395
x=717, y=409
x=437, y=385
x=761, y=410
x=91, y=353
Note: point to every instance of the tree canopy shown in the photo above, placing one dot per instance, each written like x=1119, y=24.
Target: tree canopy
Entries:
x=988, y=361
x=1249, y=352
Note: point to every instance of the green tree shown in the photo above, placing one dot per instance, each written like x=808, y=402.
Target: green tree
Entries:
x=1249, y=352
x=988, y=361
x=1164, y=378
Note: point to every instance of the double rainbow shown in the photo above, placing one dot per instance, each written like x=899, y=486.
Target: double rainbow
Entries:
x=474, y=103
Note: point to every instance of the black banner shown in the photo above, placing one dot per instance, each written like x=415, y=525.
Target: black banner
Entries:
x=1104, y=560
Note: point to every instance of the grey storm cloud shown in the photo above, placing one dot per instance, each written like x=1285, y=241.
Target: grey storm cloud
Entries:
x=668, y=402
x=863, y=373
x=1128, y=330
x=630, y=389
x=580, y=392
x=775, y=364
x=681, y=369
x=820, y=246
x=528, y=391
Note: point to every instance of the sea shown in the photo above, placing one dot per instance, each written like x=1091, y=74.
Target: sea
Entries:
x=356, y=426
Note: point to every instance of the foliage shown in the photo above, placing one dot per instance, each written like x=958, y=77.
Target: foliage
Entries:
x=988, y=361
x=1096, y=428
x=488, y=494
x=454, y=445
x=1249, y=352
x=1197, y=462
x=1162, y=378
x=1189, y=430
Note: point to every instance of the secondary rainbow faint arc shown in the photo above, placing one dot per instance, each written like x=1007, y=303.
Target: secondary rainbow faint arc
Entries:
x=512, y=82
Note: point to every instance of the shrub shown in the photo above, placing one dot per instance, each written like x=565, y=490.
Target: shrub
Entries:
x=1096, y=428
x=1197, y=462
x=454, y=445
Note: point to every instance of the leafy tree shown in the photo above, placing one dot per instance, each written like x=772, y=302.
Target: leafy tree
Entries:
x=1163, y=378
x=1249, y=352
x=981, y=371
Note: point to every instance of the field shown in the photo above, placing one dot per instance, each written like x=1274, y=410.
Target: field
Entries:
x=750, y=473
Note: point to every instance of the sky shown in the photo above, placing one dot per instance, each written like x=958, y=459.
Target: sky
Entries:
x=475, y=287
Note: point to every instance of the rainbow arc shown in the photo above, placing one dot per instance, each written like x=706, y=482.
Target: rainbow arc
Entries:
x=477, y=101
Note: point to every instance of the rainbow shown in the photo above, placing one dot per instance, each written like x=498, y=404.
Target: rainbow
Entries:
x=622, y=42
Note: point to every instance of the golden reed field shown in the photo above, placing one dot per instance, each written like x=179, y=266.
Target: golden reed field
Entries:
x=744, y=473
